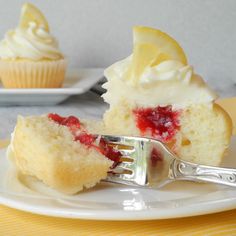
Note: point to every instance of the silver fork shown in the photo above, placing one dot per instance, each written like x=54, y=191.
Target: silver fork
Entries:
x=149, y=163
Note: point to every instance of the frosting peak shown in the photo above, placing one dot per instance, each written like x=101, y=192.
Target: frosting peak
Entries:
x=169, y=82
x=33, y=42
x=167, y=70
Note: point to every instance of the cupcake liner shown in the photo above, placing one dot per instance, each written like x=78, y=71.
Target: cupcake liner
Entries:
x=30, y=74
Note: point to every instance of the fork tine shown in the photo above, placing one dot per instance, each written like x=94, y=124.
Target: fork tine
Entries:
x=126, y=152
x=128, y=171
x=119, y=140
x=125, y=147
x=121, y=171
x=125, y=165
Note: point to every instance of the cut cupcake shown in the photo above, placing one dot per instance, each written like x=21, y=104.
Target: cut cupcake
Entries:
x=29, y=55
x=155, y=93
x=61, y=152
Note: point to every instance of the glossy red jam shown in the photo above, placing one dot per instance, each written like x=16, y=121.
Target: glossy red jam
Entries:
x=85, y=138
x=70, y=121
x=109, y=151
x=162, y=122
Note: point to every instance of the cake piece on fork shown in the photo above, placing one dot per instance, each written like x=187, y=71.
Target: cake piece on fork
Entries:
x=61, y=152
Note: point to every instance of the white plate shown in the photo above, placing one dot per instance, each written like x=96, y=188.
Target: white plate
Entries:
x=77, y=81
x=115, y=202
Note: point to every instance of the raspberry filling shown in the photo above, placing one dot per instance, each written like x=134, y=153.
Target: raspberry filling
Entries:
x=74, y=124
x=161, y=121
x=156, y=157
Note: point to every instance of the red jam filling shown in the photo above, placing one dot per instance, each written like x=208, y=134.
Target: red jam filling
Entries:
x=74, y=124
x=86, y=139
x=156, y=157
x=161, y=121
x=109, y=151
x=70, y=121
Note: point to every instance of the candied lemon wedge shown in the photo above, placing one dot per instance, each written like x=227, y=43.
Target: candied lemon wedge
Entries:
x=151, y=47
x=30, y=13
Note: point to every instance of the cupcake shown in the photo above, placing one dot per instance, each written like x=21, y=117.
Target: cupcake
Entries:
x=29, y=55
x=156, y=93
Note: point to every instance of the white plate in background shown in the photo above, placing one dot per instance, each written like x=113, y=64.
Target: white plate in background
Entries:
x=77, y=81
x=116, y=202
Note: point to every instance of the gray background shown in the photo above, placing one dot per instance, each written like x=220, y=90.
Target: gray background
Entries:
x=96, y=33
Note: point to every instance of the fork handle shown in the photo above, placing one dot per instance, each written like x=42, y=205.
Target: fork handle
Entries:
x=182, y=170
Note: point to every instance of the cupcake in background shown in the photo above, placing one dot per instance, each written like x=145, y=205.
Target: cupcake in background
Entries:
x=29, y=55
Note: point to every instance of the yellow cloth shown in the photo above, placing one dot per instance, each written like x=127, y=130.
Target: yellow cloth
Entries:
x=229, y=104
x=14, y=222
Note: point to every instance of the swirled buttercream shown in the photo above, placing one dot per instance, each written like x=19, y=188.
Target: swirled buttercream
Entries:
x=169, y=82
x=33, y=43
x=166, y=71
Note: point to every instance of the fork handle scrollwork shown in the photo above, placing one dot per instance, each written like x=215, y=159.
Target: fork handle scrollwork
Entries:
x=182, y=170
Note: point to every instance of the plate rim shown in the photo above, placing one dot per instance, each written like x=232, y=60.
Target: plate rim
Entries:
x=121, y=215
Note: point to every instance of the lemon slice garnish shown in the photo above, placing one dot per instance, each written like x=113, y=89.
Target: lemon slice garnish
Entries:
x=30, y=13
x=151, y=47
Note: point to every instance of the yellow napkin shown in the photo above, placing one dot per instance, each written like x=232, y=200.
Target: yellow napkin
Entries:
x=229, y=104
x=14, y=222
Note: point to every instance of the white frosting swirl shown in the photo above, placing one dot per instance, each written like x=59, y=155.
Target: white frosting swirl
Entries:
x=33, y=43
x=167, y=70
x=170, y=82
